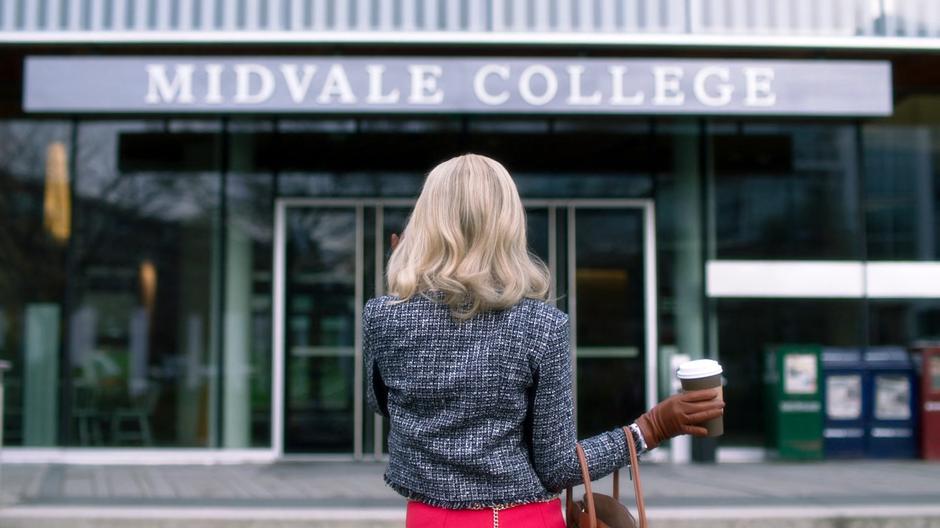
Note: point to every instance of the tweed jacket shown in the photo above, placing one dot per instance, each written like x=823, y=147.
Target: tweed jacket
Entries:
x=480, y=411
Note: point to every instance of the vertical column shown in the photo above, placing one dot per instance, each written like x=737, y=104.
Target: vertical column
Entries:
x=41, y=355
x=386, y=17
x=185, y=17
x=277, y=332
x=237, y=395
x=573, y=307
x=542, y=23
x=319, y=15
x=688, y=270
x=30, y=15
x=252, y=10
x=929, y=19
x=782, y=15
x=498, y=15
x=379, y=263
x=564, y=15
x=926, y=189
x=825, y=25
x=74, y=20
x=163, y=15
x=207, y=14
x=585, y=16
x=693, y=14
x=452, y=15
x=359, y=292
x=340, y=16
x=408, y=15
x=274, y=15
x=296, y=15
x=364, y=15
x=53, y=14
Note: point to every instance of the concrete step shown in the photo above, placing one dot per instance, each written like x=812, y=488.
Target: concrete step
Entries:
x=844, y=516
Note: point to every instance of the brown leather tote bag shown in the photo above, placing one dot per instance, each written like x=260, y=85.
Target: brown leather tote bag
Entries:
x=597, y=510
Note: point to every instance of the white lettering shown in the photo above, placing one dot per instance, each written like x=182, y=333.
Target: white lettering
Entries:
x=336, y=83
x=525, y=84
x=298, y=86
x=424, y=88
x=575, y=97
x=759, y=88
x=479, y=84
x=616, y=81
x=243, y=75
x=161, y=90
x=725, y=89
x=214, y=83
x=666, y=86
x=376, y=73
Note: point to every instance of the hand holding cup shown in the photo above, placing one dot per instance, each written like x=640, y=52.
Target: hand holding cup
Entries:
x=683, y=413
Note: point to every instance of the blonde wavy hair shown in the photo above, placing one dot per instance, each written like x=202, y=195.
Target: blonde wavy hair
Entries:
x=466, y=239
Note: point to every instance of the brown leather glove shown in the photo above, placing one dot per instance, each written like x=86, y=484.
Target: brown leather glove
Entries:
x=679, y=414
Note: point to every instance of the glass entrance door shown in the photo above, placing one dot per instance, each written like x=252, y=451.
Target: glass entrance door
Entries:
x=330, y=257
x=322, y=272
x=607, y=311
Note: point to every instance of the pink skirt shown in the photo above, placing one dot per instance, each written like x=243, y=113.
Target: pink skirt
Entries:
x=535, y=515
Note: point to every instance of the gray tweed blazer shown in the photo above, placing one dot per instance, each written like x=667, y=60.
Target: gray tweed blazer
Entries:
x=480, y=411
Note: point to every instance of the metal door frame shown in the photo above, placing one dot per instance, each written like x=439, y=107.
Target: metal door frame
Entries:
x=651, y=338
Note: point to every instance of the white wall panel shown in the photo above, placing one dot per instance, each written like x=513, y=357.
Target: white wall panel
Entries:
x=801, y=279
x=903, y=279
x=823, y=279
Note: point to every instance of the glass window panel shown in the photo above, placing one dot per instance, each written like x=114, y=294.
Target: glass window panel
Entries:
x=785, y=191
x=248, y=284
x=35, y=230
x=320, y=329
x=537, y=232
x=609, y=343
x=746, y=328
x=546, y=157
x=903, y=322
x=902, y=191
x=145, y=299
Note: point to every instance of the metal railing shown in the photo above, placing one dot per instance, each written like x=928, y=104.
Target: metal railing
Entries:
x=314, y=20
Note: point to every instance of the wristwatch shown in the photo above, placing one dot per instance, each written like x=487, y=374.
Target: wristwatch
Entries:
x=638, y=439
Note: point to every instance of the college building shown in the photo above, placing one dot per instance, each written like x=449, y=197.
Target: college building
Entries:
x=196, y=199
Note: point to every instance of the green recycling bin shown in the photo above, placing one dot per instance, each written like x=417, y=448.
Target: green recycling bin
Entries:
x=794, y=401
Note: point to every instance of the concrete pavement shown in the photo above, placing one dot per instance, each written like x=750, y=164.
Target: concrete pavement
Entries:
x=291, y=494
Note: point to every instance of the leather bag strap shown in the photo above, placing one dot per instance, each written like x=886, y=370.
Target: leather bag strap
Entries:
x=637, y=486
x=570, y=507
x=588, y=494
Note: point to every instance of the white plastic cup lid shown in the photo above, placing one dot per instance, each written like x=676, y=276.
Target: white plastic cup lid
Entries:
x=700, y=368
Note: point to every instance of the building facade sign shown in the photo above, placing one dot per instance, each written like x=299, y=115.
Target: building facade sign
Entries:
x=456, y=84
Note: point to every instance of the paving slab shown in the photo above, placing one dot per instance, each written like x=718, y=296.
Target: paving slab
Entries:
x=793, y=495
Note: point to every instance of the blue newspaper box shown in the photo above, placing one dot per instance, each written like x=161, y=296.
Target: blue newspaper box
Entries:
x=891, y=394
x=844, y=408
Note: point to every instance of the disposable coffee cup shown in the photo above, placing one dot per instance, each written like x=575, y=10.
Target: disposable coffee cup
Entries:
x=703, y=374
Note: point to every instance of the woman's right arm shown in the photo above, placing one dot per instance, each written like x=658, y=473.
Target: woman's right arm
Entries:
x=553, y=431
